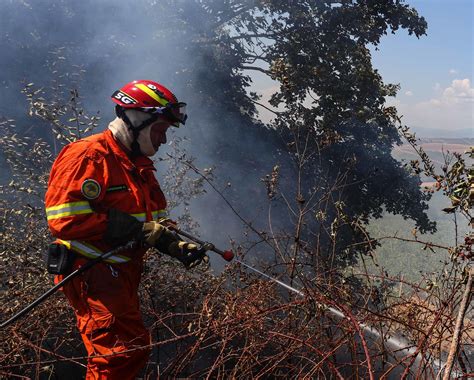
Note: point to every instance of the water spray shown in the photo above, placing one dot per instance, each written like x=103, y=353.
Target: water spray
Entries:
x=396, y=343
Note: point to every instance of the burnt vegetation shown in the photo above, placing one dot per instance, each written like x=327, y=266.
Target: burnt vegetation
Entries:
x=293, y=197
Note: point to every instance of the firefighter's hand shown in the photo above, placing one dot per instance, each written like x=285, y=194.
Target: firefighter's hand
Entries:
x=158, y=236
x=153, y=231
x=188, y=253
x=168, y=223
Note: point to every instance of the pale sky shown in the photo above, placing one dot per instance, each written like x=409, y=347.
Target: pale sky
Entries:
x=435, y=72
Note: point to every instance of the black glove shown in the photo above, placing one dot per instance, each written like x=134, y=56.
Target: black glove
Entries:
x=188, y=253
x=121, y=227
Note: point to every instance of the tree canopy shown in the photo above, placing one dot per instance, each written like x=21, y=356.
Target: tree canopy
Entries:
x=330, y=108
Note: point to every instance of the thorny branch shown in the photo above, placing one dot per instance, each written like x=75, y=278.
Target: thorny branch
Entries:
x=234, y=324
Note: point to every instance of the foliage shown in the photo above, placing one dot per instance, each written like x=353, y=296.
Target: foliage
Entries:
x=326, y=167
x=330, y=111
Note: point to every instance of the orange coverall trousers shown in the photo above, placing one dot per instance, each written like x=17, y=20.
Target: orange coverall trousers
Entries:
x=106, y=304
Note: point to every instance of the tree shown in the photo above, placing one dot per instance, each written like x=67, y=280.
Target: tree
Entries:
x=330, y=110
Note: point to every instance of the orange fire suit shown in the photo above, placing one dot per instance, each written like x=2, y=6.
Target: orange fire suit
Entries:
x=89, y=177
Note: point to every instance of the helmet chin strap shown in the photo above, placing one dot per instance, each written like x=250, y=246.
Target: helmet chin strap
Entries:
x=120, y=112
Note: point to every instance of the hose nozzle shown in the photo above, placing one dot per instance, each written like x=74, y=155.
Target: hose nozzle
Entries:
x=227, y=255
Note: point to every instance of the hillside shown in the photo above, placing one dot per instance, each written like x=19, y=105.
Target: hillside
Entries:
x=410, y=259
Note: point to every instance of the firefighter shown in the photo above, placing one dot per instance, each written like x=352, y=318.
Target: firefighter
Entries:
x=102, y=193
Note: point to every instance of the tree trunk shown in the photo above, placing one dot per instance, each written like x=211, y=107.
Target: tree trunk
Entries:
x=458, y=328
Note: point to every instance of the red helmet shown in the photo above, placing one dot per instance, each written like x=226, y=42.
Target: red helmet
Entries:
x=151, y=97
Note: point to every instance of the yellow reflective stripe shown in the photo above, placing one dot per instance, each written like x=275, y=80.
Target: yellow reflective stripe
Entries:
x=159, y=214
x=62, y=215
x=117, y=258
x=151, y=93
x=78, y=208
x=140, y=217
x=68, y=209
x=71, y=204
x=155, y=215
x=74, y=247
x=66, y=243
x=91, y=252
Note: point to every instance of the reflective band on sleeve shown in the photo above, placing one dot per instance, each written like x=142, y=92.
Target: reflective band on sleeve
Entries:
x=141, y=217
x=91, y=252
x=157, y=214
x=68, y=209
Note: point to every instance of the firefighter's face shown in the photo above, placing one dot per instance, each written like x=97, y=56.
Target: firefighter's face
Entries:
x=158, y=132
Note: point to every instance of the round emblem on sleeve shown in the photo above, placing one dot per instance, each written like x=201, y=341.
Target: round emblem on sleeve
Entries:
x=90, y=189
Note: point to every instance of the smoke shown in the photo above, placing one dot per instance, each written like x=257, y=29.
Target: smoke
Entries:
x=111, y=43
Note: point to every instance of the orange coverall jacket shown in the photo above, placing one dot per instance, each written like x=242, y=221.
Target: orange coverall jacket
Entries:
x=89, y=177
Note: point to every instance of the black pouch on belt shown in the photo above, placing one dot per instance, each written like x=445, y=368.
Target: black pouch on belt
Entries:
x=60, y=259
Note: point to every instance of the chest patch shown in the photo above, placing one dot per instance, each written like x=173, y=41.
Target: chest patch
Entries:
x=90, y=189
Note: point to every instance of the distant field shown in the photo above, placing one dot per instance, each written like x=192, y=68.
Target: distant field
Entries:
x=435, y=148
x=439, y=145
